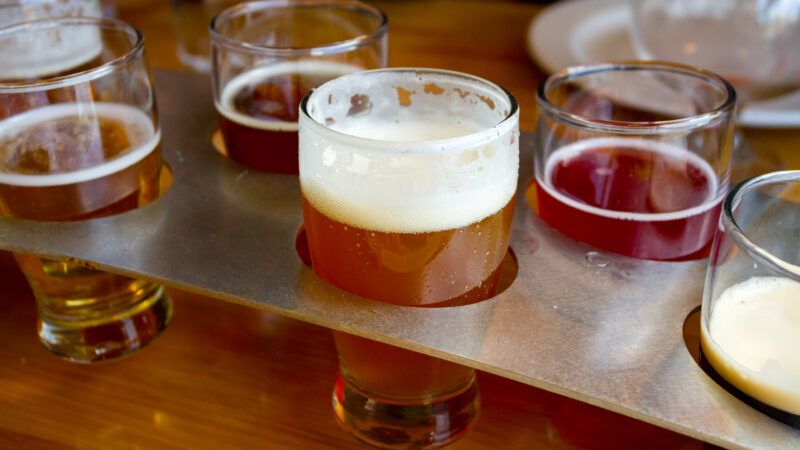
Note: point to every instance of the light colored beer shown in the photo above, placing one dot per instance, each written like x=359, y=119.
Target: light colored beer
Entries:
x=78, y=161
x=752, y=337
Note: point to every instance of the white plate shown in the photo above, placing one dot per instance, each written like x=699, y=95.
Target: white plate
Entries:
x=575, y=32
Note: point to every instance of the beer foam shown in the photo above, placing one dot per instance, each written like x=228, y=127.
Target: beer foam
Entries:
x=48, y=51
x=752, y=338
x=256, y=75
x=136, y=122
x=408, y=150
x=673, y=151
x=406, y=192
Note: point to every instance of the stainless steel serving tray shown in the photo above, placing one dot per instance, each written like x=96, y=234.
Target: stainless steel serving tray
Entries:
x=602, y=329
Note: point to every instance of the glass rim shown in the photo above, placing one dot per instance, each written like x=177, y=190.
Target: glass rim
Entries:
x=623, y=127
x=485, y=135
x=732, y=229
x=135, y=51
x=332, y=48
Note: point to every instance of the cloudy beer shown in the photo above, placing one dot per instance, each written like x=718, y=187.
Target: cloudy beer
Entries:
x=404, y=205
x=65, y=156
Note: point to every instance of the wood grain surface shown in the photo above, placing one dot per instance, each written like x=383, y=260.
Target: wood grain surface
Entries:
x=226, y=376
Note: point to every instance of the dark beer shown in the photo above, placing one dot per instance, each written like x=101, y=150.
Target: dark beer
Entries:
x=258, y=111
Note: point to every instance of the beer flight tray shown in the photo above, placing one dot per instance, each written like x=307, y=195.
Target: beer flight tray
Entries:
x=599, y=328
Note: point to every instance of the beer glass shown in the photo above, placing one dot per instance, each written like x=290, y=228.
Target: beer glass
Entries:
x=79, y=138
x=634, y=158
x=751, y=303
x=266, y=55
x=408, y=179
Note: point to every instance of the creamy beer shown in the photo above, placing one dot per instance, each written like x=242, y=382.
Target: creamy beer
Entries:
x=751, y=340
x=258, y=111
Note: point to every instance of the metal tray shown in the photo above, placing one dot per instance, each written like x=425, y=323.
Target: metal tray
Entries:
x=599, y=328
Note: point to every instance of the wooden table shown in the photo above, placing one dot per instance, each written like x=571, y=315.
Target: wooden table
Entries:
x=226, y=376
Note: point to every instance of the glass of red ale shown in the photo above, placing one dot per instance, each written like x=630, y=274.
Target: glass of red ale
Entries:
x=266, y=55
x=408, y=179
x=751, y=303
x=80, y=139
x=634, y=158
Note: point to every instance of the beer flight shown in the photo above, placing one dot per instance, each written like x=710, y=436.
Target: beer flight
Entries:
x=408, y=181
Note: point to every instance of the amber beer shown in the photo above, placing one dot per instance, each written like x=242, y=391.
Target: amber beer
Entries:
x=405, y=204
x=258, y=111
x=434, y=268
x=70, y=161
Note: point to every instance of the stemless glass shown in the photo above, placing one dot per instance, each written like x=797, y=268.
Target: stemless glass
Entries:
x=79, y=138
x=408, y=179
x=751, y=303
x=267, y=55
x=634, y=158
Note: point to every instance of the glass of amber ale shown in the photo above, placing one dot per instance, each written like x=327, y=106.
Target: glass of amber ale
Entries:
x=408, y=179
x=634, y=158
x=750, y=322
x=266, y=55
x=79, y=139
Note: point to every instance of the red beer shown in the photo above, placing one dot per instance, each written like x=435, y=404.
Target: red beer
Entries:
x=636, y=197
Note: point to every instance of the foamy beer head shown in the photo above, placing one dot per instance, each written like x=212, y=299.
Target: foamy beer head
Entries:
x=751, y=303
x=44, y=52
x=408, y=150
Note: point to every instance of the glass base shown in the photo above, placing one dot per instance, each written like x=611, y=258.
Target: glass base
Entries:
x=386, y=423
x=121, y=335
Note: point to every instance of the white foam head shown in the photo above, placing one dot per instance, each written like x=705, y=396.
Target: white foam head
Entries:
x=45, y=52
x=256, y=75
x=142, y=134
x=751, y=340
x=409, y=152
x=714, y=196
